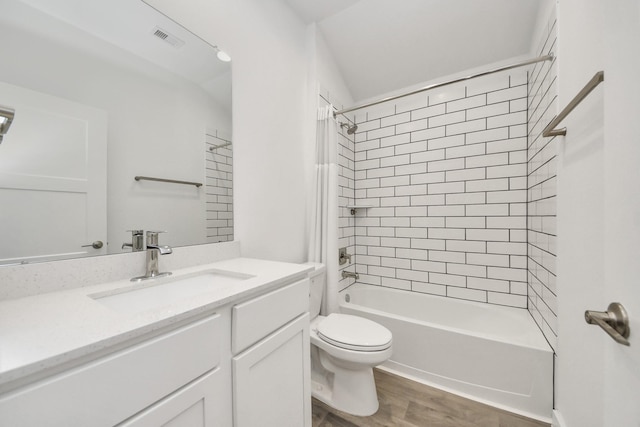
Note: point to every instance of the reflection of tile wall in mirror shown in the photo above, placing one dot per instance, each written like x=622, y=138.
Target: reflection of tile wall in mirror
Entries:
x=219, y=187
x=158, y=100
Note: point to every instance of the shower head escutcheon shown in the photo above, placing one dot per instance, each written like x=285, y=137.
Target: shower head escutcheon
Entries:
x=351, y=129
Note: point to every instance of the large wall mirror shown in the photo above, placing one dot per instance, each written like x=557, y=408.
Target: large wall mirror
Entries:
x=104, y=92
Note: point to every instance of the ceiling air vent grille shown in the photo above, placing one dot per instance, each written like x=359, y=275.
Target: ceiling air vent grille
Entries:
x=167, y=37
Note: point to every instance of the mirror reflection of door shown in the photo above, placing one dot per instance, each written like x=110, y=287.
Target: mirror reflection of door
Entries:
x=52, y=178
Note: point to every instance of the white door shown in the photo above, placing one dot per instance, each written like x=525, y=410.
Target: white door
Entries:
x=52, y=178
x=622, y=208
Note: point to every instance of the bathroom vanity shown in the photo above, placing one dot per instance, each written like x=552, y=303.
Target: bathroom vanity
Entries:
x=214, y=345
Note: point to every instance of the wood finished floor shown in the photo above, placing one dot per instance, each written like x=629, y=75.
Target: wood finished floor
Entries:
x=405, y=403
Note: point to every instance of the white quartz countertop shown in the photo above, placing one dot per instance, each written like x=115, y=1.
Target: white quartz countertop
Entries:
x=43, y=332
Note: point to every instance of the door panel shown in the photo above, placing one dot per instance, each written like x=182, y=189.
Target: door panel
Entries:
x=52, y=177
x=622, y=209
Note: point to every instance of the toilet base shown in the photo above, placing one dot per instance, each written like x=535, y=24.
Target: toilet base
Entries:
x=348, y=390
x=353, y=406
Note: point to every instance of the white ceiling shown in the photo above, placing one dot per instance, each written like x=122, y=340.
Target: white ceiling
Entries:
x=129, y=25
x=384, y=45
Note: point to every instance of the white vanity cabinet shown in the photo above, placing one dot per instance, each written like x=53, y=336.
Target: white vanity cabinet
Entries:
x=270, y=342
x=239, y=360
x=110, y=390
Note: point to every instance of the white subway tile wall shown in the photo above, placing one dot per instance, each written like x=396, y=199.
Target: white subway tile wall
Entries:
x=541, y=190
x=218, y=188
x=446, y=175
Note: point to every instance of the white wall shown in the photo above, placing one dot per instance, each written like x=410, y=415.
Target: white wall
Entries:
x=156, y=126
x=329, y=76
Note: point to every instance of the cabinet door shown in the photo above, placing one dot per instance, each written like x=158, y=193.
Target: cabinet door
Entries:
x=271, y=380
x=195, y=405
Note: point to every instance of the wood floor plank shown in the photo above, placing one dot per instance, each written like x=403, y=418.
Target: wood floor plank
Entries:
x=406, y=403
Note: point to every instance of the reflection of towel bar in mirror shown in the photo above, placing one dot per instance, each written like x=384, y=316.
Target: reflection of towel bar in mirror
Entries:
x=174, y=181
x=6, y=117
x=215, y=147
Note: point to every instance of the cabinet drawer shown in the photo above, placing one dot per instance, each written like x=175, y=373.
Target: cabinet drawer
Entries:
x=257, y=318
x=111, y=389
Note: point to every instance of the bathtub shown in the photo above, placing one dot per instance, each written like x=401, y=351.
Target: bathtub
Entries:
x=492, y=354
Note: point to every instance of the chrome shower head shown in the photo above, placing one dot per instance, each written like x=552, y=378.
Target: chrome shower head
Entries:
x=350, y=129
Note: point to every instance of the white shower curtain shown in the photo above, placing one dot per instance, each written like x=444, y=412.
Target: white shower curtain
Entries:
x=323, y=242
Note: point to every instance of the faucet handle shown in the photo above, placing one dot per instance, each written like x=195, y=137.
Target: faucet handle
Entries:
x=152, y=237
x=137, y=240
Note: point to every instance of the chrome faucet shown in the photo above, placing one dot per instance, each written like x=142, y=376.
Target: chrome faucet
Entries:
x=137, y=241
x=153, y=252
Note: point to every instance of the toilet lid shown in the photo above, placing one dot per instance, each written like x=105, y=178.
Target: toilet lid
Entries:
x=354, y=333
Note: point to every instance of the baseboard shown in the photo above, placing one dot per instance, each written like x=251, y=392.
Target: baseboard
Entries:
x=557, y=420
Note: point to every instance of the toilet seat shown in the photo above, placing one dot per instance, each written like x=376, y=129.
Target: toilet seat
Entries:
x=354, y=333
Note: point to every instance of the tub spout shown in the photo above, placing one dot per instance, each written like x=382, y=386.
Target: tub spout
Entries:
x=346, y=274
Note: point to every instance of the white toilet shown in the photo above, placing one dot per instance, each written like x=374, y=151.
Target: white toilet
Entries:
x=344, y=350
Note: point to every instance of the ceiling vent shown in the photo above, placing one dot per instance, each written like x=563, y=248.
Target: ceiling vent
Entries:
x=167, y=37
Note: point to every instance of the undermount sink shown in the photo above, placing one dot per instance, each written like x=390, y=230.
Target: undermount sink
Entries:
x=135, y=299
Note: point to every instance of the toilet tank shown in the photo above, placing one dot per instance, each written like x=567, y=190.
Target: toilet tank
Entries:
x=317, y=277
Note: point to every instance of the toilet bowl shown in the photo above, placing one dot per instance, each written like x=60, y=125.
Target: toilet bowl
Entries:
x=344, y=350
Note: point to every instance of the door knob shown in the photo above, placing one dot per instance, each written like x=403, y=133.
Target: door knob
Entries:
x=614, y=321
x=95, y=245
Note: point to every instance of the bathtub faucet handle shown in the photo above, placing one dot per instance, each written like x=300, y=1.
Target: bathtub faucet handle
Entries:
x=344, y=256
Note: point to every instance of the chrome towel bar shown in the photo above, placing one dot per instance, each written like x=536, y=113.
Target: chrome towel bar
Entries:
x=551, y=130
x=174, y=181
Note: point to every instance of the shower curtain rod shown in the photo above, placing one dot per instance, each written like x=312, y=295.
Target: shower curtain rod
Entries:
x=548, y=57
